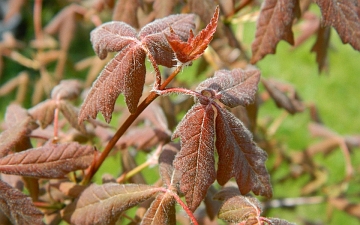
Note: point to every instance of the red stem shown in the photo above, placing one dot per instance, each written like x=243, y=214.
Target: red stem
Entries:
x=183, y=205
x=151, y=97
x=37, y=19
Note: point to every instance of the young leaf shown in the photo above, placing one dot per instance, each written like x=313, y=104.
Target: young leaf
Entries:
x=233, y=88
x=44, y=112
x=48, y=161
x=123, y=73
x=321, y=47
x=18, y=126
x=71, y=114
x=239, y=156
x=342, y=15
x=67, y=89
x=166, y=168
x=277, y=221
x=196, y=158
x=126, y=72
x=154, y=35
x=18, y=207
x=126, y=11
x=284, y=95
x=274, y=24
x=161, y=211
x=195, y=46
x=103, y=204
x=239, y=208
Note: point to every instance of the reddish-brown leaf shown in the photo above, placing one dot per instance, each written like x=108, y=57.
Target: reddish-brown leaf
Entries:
x=195, y=46
x=321, y=47
x=284, y=95
x=164, y=8
x=161, y=211
x=233, y=88
x=18, y=207
x=153, y=36
x=342, y=15
x=71, y=113
x=274, y=24
x=19, y=125
x=277, y=221
x=196, y=158
x=166, y=167
x=103, y=204
x=126, y=11
x=112, y=37
x=48, y=161
x=67, y=89
x=124, y=74
x=239, y=156
x=239, y=208
x=44, y=112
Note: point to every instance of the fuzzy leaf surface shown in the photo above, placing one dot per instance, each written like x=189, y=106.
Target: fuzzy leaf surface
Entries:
x=195, y=46
x=196, y=158
x=18, y=126
x=126, y=72
x=18, y=207
x=48, y=161
x=71, y=113
x=153, y=36
x=239, y=208
x=44, y=112
x=235, y=87
x=239, y=156
x=112, y=37
x=161, y=211
x=103, y=204
x=67, y=89
x=123, y=74
x=342, y=15
x=274, y=24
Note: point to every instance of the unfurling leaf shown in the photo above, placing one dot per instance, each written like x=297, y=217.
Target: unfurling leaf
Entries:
x=240, y=157
x=195, y=46
x=126, y=72
x=161, y=211
x=48, y=161
x=18, y=207
x=103, y=204
x=238, y=208
x=342, y=15
x=196, y=158
x=233, y=88
x=274, y=24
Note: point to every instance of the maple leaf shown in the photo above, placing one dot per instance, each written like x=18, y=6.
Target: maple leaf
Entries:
x=342, y=15
x=103, y=204
x=321, y=47
x=206, y=122
x=48, y=161
x=186, y=52
x=274, y=24
x=233, y=88
x=161, y=211
x=125, y=73
x=196, y=158
x=18, y=207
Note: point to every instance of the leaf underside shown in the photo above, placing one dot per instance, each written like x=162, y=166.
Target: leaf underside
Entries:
x=103, y=204
x=161, y=211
